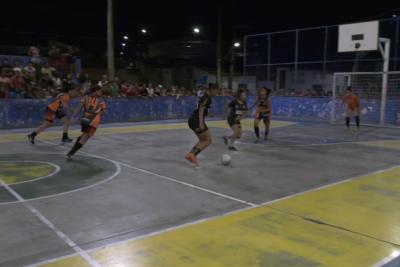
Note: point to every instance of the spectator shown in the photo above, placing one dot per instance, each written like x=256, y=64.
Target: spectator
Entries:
x=55, y=57
x=174, y=91
x=142, y=90
x=46, y=81
x=150, y=90
x=5, y=84
x=17, y=66
x=113, y=88
x=157, y=90
x=34, y=53
x=86, y=84
x=132, y=90
x=18, y=84
x=103, y=81
x=30, y=72
x=5, y=66
x=57, y=82
x=48, y=71
x=68, y=84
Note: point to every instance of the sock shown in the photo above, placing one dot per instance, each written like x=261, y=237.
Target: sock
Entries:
x=33, y=134
x=257, y=131
x=231, y=142
x=347, y=122
x=75, y=148
x=195, y=151
x=65, y=135
x=357, y=121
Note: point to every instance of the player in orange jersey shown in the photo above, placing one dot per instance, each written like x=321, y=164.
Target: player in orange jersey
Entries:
x=353, y=107
x=93, y=107
x=56, y=109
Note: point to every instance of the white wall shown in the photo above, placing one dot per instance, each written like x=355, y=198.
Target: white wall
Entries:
x=250, y=81
x=307, y=78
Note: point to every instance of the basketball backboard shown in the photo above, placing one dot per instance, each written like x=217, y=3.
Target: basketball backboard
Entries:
x=359, y=37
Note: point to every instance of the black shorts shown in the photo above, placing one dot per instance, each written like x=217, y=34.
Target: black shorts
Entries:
x=50, y=115
x=262, y=116
x=234, y=121
x=194, y=125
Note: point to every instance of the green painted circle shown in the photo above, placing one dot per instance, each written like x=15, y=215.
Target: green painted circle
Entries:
x=77, y=174
x=12, y=172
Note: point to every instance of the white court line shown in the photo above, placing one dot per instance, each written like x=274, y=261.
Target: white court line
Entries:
x=265, y=204
x=166, y=178
x=49, y=224
x=116, y=173
x=392, y=257
x=250, y=205
x=57, y=169
x=140, y=237
x=331, y=184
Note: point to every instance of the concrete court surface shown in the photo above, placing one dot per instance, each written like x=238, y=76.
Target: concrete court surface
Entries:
x=130, y=199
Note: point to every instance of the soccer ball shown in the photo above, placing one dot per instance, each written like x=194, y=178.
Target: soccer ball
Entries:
x=225, y=159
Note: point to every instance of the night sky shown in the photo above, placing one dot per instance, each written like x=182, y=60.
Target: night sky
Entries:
x=174, y=19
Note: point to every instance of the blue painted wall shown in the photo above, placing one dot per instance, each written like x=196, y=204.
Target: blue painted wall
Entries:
x=29, y=112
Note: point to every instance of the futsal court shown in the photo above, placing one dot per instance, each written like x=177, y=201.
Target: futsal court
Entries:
x=312, y=195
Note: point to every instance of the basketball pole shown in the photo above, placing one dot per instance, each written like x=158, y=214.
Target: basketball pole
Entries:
x=384, y=47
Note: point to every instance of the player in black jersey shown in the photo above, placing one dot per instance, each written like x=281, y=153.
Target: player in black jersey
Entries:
x=198, y=125
x=263, y=112
x=238, y=108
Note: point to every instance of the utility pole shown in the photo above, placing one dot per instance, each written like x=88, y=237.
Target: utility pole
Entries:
x=219, y=46
x=110, y=39
x=231, y=68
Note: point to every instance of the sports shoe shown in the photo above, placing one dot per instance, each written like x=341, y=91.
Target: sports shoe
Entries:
x=31, y=139
x=257, y=140
x=232, y=148
x=66, y=140
x=266, y=138
x=192, y=158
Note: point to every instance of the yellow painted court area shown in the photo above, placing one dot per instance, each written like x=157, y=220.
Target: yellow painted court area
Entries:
x=275, y=234
x=15, y=172
x=391, y=144
x=49, y=135
x=70, y=262
x=368, y=205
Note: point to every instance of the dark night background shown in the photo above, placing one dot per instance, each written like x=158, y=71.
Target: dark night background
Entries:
x=169, y=19
x=83, y=23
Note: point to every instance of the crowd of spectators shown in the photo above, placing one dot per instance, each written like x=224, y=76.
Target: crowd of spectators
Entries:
x=37, y=79
x=45, y=79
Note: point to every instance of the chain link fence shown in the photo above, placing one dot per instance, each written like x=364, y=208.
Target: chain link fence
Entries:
x=302, y=61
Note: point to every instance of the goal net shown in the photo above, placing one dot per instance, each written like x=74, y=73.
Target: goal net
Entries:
x=378, y=107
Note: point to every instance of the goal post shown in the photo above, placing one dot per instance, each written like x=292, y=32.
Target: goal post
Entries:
x=378, y=92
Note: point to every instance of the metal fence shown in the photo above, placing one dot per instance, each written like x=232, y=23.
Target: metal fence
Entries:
x=303, y=61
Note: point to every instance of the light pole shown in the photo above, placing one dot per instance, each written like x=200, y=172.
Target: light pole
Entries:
x=235, y=45
x=110, y=40
x=219, y=44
